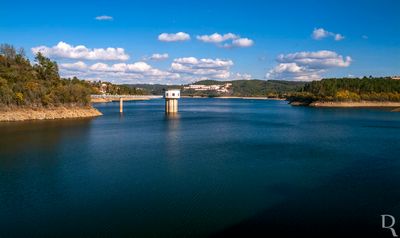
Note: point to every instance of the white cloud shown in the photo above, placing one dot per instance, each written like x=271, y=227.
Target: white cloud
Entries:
x=237, y=76
x=320, y=33
x=307, y=66
x=242, y=42
x=96, y=67
x=64, y=50
x=138, y=72
x=182, y=70
x=228, y=40
x=137, y=67
x=338, y=37
x=317, y=59
x=292, y=71
x=78, y=66
x=217, y=38
x=104, y=18
x=171, y=37
x=157, y=57
x=196, y=69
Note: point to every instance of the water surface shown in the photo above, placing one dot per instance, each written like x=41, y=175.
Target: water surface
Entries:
x=220, y=167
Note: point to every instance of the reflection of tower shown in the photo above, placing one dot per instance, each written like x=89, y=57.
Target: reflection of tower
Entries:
x=171, y=100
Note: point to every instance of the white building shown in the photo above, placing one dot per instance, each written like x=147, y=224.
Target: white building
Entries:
x=224, y=88
x=172, y=94
x=171, y=100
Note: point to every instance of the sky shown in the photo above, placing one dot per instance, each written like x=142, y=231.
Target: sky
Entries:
x=179, y=42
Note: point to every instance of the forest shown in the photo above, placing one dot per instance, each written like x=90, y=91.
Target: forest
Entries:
x=100, y=87
x=239, y=88
x=349, y=89
x=265, y=88
x=38, y=84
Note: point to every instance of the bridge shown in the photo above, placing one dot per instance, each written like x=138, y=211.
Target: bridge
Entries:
x=95, y=98
x=117, y=97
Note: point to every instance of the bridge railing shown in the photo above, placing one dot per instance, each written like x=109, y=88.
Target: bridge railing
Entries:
x=124, y=96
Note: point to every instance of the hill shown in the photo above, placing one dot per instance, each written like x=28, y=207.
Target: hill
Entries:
x=270, y=88
x=349, y=90
x=36, y=91
x=239, y=88
x=24, y=84
x=152, y=89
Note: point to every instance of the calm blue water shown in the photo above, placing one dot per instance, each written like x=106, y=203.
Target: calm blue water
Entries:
x=220, y=167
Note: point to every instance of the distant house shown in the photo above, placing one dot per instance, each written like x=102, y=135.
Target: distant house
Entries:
x=396, y=77
x=103, y=88
x=223, y=88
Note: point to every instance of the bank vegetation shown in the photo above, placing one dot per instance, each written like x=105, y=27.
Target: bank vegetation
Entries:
x=26, y=86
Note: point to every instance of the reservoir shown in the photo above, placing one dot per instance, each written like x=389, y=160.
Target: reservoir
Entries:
x=219, y=167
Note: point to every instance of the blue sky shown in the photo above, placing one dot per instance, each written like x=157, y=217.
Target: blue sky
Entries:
x=292, y=40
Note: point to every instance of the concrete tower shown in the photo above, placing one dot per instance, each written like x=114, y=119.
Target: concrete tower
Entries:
x=171, y=100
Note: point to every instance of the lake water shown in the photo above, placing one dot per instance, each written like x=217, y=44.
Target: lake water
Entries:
x=221, y=167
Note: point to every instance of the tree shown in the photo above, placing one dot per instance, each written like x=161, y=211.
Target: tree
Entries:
x=45, y=68
x=37, y=85
x=6, y=94
x=350, y=89
x=8, y=51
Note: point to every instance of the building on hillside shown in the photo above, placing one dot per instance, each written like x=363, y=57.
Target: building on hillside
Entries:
x=103, y=88
x=221, y=88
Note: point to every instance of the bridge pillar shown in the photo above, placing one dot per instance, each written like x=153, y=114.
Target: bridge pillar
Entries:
x=121, y=105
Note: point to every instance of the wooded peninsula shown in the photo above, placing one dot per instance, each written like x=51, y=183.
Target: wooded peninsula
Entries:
x=348, y=92
x=36, y=91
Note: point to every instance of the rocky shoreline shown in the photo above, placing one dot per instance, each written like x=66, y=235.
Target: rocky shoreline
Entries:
x=11, y=114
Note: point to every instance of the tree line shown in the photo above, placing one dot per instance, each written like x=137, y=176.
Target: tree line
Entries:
x=39, y=84
x=349, y=89
x=100, y=87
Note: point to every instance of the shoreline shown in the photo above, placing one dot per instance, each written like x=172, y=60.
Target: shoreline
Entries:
x=237, y=97
x=14, y=114
x=361, y=104
x=255, y=98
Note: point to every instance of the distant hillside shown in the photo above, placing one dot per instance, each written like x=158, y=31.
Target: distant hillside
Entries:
x=99, y=87
x=153, y=89
x=240, y=88
x=349, y=90
x=256, y=87
x=270, y=88
x=211, y=82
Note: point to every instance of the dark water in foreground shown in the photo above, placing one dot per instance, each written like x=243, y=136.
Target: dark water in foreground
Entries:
x=222, y=167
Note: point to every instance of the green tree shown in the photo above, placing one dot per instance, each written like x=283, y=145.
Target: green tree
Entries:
x=45, y=68
x=6, y=94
